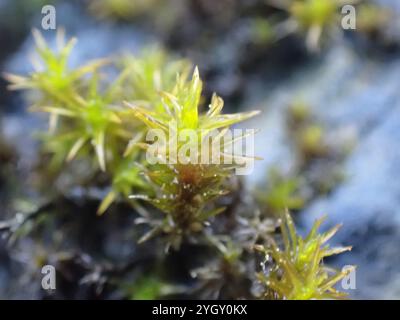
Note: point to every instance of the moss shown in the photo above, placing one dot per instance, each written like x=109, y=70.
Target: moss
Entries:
x=185, y=190
x=311, y=13
x=282, y=192
x=298, y=271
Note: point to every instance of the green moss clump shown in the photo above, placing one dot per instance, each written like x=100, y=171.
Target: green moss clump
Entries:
x=298, y=271
x=184, y=190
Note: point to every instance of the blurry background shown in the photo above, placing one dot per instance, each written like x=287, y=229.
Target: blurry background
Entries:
x=330, y=121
